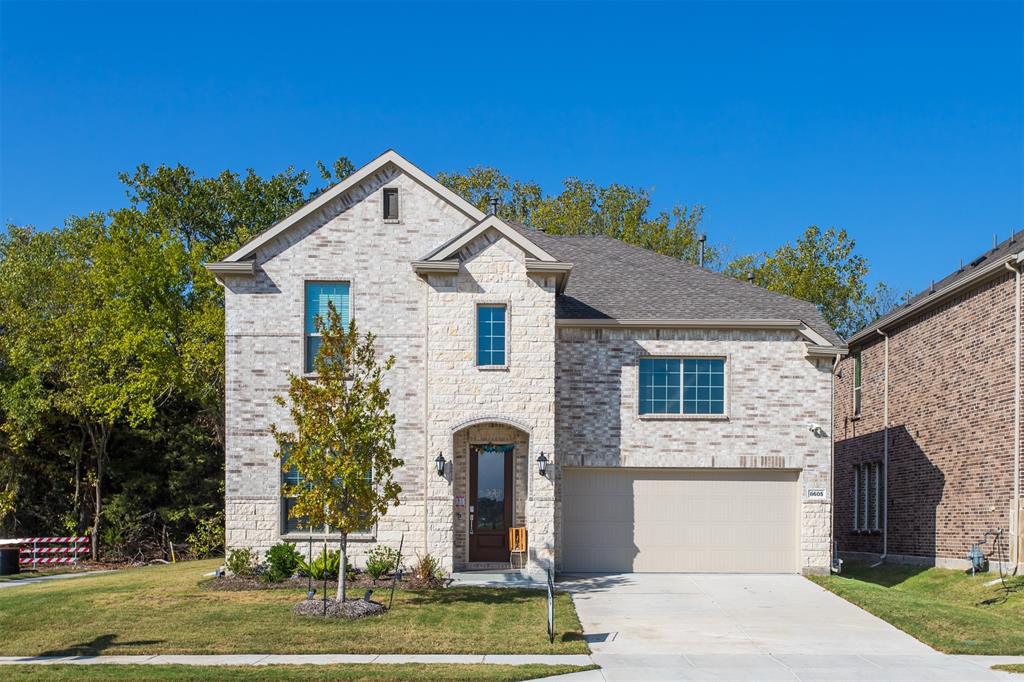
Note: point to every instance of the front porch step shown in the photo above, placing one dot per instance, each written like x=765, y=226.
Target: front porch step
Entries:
x=495, y=578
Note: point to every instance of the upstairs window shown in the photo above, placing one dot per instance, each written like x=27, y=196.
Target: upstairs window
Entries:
x=490, y=336
x=390, y=203
x=682, y=386
x=318, y=294
x=856, y=384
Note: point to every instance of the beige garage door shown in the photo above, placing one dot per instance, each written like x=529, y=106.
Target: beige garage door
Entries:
x=667, y=520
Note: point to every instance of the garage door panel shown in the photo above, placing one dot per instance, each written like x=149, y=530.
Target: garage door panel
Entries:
x=667, y=520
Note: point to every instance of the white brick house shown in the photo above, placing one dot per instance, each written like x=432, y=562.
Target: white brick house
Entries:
x=681, y=413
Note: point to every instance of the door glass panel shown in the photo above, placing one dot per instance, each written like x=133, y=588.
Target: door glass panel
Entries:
x=490, y=490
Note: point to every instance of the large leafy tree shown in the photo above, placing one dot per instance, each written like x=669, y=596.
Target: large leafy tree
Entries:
x=586, y=208
x=343, y=440
x=823, y=267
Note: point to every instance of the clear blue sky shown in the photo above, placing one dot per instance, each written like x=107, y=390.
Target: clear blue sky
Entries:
x=902, y=123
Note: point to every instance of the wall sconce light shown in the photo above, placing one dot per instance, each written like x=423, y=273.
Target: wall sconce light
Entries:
x=439, y=463
x=542, y=465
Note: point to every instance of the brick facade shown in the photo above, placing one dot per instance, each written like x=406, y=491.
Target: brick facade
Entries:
x=951, y=420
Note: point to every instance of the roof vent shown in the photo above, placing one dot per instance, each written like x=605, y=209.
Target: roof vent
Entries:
x=700, y=256
x=492, y=206
x=750, y=278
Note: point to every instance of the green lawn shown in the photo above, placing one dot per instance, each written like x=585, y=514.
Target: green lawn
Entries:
x=1010, y=668
x=313, y=673
x=161, y=610
x=949, y=610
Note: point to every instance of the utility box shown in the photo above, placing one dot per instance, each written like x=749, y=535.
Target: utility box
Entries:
x=10, y=558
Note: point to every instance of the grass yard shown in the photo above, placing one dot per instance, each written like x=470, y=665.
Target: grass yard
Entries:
x=950, y=611
x=161, y=610
x=313, y=673
x=1010, y=668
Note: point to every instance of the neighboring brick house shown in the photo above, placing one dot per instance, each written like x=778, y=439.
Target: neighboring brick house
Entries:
x=927, y=421
x=682, y=414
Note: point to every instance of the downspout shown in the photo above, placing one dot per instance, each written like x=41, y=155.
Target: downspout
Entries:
x=426, y=418
x=833, y=554
x=1015, y=507
x=885, y=454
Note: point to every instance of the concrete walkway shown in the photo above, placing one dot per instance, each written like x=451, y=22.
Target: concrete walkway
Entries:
x=748, y=627
x=48, y=578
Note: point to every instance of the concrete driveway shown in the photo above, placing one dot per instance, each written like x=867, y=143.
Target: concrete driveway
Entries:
x=747, y=627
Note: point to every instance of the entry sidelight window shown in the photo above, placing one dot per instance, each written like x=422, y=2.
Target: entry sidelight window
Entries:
x=682, y=386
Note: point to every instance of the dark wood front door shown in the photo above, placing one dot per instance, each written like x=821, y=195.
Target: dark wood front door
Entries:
x=490, y=502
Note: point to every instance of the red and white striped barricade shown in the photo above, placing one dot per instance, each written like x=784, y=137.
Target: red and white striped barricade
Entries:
x=49, y=550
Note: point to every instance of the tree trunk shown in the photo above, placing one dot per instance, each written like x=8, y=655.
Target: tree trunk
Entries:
x=341, y=568
x=99, y=442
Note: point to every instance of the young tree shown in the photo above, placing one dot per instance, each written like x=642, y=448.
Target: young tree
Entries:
x=343, y=440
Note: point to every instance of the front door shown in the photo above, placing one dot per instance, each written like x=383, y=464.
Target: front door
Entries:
x=490, y=502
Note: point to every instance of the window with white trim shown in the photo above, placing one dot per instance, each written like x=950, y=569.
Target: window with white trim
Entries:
x=856, y=384
x=318, y=295
x=682, y=386
x=868, y=491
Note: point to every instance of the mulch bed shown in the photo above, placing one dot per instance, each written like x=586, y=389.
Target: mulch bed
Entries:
x=350, y=610
x=234, y=583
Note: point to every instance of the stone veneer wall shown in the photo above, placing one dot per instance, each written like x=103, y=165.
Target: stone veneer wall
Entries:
x=951, y=420
x=346, y=241
x=773, y=393
x=521, y=395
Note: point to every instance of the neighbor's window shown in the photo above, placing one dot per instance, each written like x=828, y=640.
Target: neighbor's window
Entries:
x=490, y=335
x=318, y=294
x=856, y=384
x=390, y=203
x=868, y=493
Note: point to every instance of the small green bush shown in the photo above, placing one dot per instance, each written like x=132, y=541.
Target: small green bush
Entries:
x=208, y=538
x=380, y=561
x=322, y=567
x=242, y=562
x=282, y=562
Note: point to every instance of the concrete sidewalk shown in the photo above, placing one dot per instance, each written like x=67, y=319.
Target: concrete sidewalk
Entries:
x=47, y=578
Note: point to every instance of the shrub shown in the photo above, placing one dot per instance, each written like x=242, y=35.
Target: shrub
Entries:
x=208, y=538
x=380, y=561
x=242, y=562
x=322, y=566
x=282, y=562
x=427, y=569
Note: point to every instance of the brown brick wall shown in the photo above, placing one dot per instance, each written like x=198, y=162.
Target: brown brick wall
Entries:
x=951, y=417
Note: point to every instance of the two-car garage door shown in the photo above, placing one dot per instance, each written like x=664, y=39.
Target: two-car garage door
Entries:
x=685, y=520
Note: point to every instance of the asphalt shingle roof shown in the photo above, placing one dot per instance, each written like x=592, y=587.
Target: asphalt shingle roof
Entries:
x=614, y=280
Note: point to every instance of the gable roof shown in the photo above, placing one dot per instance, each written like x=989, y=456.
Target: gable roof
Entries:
x=614, y=281
x=490, y=222
x=988, y=264
x=388, y=157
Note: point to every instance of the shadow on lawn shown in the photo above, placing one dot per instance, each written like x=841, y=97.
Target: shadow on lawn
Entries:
x=474, y=595
x=97, y=646
x=885, y=575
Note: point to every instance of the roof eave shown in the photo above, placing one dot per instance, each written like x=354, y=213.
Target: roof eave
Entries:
x=245, y=268
x=992, y=269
